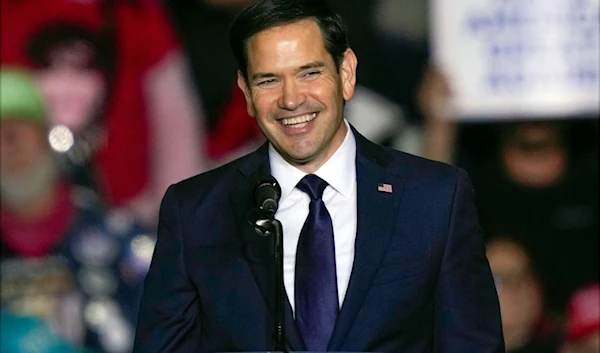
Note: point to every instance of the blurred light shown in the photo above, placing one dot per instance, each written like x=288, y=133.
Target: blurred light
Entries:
x=99, y=311
x=119, y=221
x=143, y=247
x=97, y=281
x=61, y=138
x=117, y=335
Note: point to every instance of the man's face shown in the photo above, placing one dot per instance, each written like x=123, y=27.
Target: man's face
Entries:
x=534, y=155
x=27, y=167
x=72, y=91
x=296, y=93
x=22, y=145
x=518, y=291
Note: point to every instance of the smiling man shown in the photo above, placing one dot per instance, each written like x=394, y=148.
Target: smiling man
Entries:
x=382, y=250
x=296, y=91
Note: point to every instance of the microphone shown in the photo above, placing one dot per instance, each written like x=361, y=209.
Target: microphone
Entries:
x=267, y=193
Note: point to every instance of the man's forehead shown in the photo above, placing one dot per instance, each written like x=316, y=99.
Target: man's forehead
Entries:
x=294, y=31
x=296, y=44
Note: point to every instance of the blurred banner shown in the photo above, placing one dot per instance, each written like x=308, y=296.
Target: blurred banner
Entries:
x=519, y=58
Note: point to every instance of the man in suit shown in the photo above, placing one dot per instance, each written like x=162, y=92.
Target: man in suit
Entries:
x=382, y=250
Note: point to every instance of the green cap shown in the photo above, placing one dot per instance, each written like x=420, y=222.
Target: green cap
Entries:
x=20, y=97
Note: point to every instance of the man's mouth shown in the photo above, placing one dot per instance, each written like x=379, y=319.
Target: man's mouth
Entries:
x=298, y=122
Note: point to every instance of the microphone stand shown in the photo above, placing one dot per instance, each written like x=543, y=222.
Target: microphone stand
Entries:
x=266, y=227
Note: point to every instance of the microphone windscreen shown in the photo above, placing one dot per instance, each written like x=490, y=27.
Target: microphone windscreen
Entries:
x=267, y=193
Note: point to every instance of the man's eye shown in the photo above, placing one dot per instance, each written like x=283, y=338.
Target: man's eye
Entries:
x=268, y=82
x=311, y=74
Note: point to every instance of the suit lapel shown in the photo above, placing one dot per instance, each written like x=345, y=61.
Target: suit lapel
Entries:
x=259, y=250
x=376, y=216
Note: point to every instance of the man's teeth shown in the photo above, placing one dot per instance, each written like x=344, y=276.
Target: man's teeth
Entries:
x=299, y=121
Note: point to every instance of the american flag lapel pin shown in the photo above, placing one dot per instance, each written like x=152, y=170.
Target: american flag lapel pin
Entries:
x=385, y=188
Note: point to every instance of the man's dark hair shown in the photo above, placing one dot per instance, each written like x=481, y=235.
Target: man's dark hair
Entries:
x=265, y=14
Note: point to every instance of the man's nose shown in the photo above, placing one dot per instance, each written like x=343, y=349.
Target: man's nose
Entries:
x=292, y=96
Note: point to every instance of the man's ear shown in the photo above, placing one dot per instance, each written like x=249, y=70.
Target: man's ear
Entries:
x=348, y=73
x=243, y=85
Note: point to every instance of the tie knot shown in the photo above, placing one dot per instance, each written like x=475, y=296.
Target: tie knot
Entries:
x=313, y=186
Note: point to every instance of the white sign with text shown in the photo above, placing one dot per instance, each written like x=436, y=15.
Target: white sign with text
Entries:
x=519, y=58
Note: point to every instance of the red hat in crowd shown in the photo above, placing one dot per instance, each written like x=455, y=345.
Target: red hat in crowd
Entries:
x=584, y=313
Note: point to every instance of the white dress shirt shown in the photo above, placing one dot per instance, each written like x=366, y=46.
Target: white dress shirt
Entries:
x=340, y=199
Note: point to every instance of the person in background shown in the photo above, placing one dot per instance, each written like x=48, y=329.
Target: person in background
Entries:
x=538, y=179
x=583, y=321
x=142, y=89
x=71, y=66
x=64, y=258
x=535, y=174
x=524, y=324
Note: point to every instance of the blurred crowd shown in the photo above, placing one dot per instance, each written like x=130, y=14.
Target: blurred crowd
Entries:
x=105, y=103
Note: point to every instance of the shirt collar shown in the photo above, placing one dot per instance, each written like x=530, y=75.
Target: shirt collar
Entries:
x=344, y=159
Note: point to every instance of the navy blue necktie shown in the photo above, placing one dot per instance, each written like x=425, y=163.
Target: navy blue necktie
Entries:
x=315, y=286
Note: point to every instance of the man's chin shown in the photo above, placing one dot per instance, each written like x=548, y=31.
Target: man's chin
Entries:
x=20, y=190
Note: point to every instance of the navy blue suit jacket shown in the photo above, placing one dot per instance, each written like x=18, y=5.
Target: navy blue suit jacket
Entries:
x=420, y=280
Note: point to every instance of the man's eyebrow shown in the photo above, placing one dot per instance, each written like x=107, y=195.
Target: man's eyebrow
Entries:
x=312, y=65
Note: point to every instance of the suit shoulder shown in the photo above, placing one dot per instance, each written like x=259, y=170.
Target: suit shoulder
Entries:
x=403, y=163
x=416, y=166
x=195, y=188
